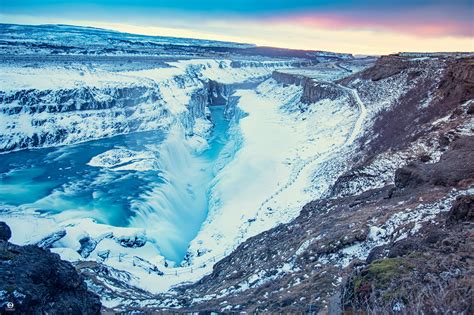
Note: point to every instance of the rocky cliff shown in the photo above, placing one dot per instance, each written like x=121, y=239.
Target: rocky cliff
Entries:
x=36, y=281
x=76, y=105
x=313, y=90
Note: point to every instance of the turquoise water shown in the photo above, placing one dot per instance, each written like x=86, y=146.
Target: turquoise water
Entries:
x=170, y=201
x=56, y=180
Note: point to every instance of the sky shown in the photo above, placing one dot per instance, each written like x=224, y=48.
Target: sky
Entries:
x=359, y=27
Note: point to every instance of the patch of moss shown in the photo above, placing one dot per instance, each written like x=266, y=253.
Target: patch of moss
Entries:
x=357, y=282
x=379, y=275
x=383, y=271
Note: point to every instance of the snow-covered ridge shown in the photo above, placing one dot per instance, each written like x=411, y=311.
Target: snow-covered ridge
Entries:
x=58, y=39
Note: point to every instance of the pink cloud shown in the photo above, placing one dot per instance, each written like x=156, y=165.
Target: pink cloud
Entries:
x=407, y=23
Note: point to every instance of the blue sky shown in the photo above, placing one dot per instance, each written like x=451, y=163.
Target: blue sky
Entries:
x=312, y=24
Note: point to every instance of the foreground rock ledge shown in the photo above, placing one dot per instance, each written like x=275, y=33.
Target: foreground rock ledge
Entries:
x=36, y=281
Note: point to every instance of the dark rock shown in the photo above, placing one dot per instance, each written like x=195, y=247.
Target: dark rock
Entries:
x=409, y=176
x=218, y=93
x=87, y=246
x=132, y=241
x=104, y=254
x=5, y=232
x=470, y=110
x=425, y=158
x=453, y=169
x=48, y=241
x=443, y=141
x=462, y=209
x=37, y=281
x=315, y=91
x=402, y=248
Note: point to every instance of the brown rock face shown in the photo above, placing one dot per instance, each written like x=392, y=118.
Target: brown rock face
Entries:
x=453, y=169
x=392, y=129
x=462, y=209
x=287, y=78
x=457, y=85
x=386, y=66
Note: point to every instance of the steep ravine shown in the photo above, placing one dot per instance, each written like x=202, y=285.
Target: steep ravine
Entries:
x=394, y=212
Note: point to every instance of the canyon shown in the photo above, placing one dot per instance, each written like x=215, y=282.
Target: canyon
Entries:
x=198, y=176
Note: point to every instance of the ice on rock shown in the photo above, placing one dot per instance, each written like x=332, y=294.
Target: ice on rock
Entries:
x=123, y=159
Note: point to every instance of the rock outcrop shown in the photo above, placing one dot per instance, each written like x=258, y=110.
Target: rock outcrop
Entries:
x=453, y=168
x=36, y=281
x=313, y=91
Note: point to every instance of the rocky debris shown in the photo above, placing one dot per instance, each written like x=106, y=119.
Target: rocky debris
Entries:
x=117, y=283
x=146, y=265
x=37, y=281
x=48, y=241
x=88, y=245
x=431, y=272
x=132, y=241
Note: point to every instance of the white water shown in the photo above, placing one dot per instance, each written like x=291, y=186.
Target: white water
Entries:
x=172, y=212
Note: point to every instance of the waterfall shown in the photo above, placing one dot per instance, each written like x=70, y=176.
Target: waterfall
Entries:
x=172, y=211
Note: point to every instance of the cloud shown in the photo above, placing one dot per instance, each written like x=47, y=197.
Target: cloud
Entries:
x=365, y=27
x=414, y=22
